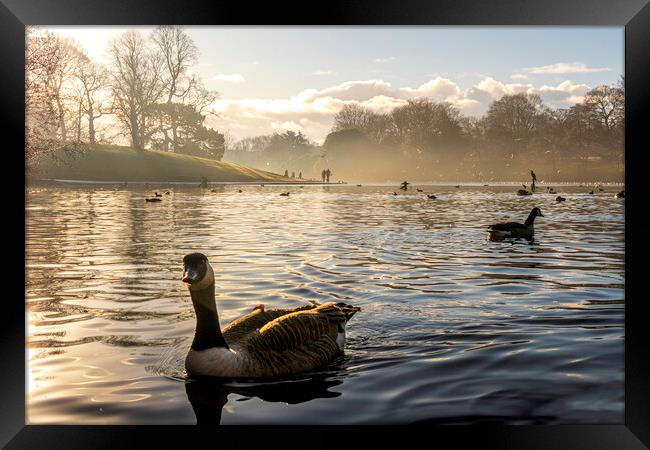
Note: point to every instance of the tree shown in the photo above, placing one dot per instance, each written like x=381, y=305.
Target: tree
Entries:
x=93, y=79
x=352, y=116
x=511, y=120
x=137, y=83
x=178, y=52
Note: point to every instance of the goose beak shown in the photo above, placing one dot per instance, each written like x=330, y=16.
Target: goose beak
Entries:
x=540, y=214
x=190, y=276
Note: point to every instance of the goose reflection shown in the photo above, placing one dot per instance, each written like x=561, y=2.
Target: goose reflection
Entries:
x=208, y=396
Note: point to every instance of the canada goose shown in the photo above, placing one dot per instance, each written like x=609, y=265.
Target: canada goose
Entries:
x=431, y=196
x=240, y=190
x=420, y=190
x=394, y=193
x=405, y=185
x=157, y=194
x=167, y=193
x=285, y=194
x=620, y=194
x=523, y=192
x=559, y=199
x=156, y=199
x=515, y=229
x=591, y=192
x=263, y=343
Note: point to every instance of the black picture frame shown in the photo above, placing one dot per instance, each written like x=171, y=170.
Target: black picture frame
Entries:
x=634, y=15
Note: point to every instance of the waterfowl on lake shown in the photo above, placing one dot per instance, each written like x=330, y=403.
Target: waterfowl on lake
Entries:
x=157, y=194
x=404, y=185
x=394, y=193
x=358, y=185
x=620, y=194
x=523, y=192
x=431, y=196
x=156, y=199
x=515, y=229
x=559, y=198
x=285, y=194
x=420, y=190
x=458, y=185
x=239, y=190
x=265, y=342
x=167, y=193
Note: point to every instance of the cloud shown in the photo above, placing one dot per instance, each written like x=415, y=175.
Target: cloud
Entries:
x=323, y=72
x=576, y=67
x=233, y=78
x=520, y=76
x=312, y=110
x=385, y=60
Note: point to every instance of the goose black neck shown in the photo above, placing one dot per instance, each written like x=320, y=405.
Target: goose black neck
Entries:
x=531, y=219
x=208, y=332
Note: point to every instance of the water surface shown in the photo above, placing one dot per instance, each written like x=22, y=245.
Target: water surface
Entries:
x=453, y=329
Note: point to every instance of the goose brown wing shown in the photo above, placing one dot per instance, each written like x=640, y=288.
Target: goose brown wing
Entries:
x=298, y=341
x=509, y=226
x=241, y=328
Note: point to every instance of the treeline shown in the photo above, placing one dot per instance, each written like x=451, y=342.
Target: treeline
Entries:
x=146, y=95
x=432, y=140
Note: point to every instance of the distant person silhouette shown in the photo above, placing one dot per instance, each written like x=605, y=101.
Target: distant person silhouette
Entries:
x=300, y=175
x=286, y=173
x=532, y=186
x=204, y=182
x=328, y=174
x=323, y=173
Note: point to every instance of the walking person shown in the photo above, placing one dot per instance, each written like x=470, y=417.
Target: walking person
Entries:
x=328, y=174
x=322, y=174
x=532, y=186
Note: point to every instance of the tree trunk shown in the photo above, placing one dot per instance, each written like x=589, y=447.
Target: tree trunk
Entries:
x=135, y=132
x=59, y=104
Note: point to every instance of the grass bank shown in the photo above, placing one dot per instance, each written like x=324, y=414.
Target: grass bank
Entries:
x=118, y=163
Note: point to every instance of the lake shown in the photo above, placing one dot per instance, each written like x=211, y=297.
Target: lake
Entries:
x=453, y=328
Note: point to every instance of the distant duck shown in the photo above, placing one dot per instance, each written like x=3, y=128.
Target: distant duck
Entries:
x=240, y=190
x=156, y=199
x=431, y=196
x=265, y=342
x=457, y=186
x=213, y=190
x=358, y=185
x=394, y=193
x=515, y=229
x=559, y=199
x=591, y=192
x=167, y=193
x=157, y=194
x=486, y=185
x=620, y=194
x=419, y=190
x=285, y=194
x=523, y=192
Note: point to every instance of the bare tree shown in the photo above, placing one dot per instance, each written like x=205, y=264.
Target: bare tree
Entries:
x=137, y=83
x=93, y=79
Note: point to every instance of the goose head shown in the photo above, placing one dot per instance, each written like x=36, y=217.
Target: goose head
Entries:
x=536, y=212
x=197, y=272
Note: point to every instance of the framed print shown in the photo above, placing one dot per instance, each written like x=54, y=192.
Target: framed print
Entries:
x=368, y=214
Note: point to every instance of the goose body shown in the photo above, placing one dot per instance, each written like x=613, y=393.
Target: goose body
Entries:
x=515, y=229
x=285, y=194
x=431, y=196
x=265, y=342
x=155, y=199
x=559, y=198
x=523, y=192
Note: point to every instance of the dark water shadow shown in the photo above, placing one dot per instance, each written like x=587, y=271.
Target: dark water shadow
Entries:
x=209, y=395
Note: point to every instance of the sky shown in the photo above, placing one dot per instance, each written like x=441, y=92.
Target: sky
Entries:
x=273, y=78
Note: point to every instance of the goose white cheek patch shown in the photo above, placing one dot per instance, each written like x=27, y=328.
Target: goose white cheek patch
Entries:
x=207, y=280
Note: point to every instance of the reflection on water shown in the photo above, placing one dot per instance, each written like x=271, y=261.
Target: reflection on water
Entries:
x=454, y=328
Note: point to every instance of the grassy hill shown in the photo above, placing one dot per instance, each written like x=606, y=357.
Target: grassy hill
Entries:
x=117, y=163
